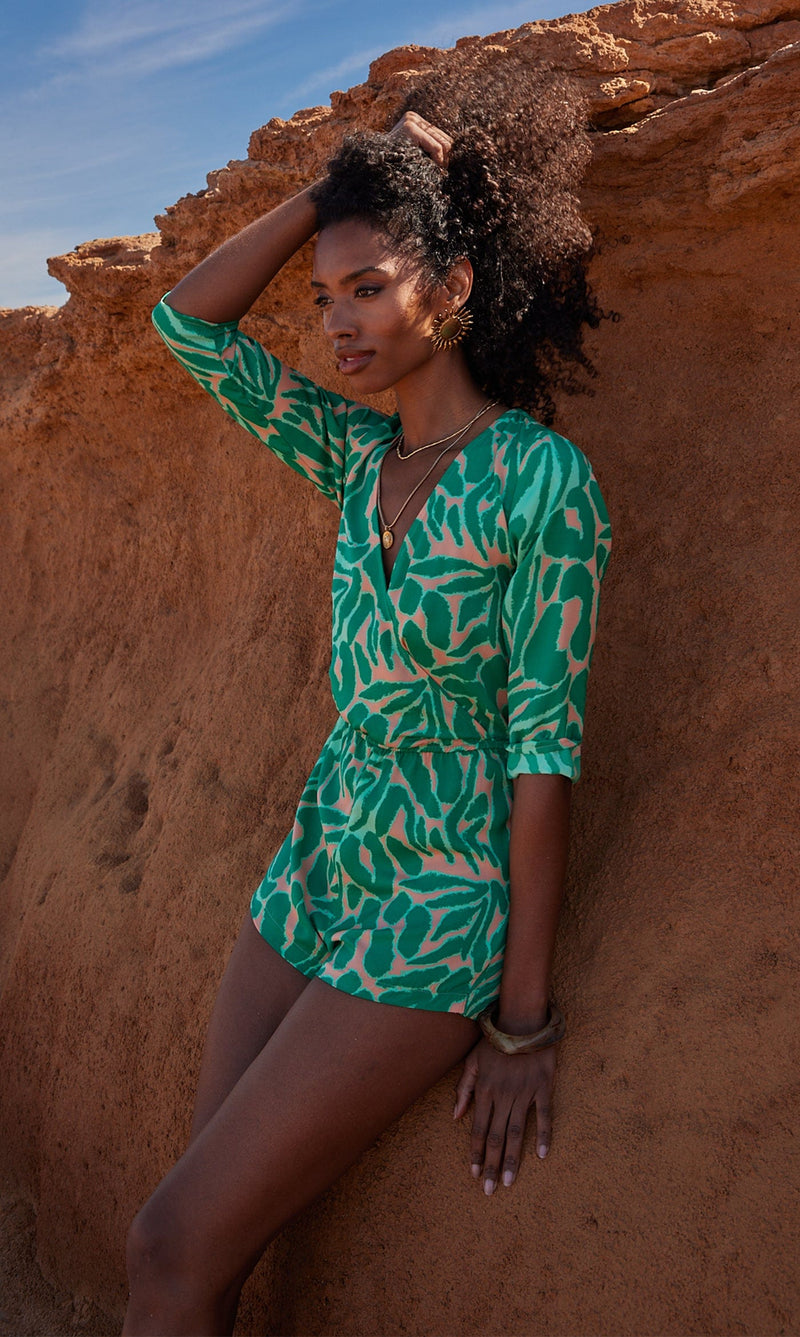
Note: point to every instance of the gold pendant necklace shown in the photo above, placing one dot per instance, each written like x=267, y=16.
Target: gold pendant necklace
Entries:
x=387, y=536
x=387, y=527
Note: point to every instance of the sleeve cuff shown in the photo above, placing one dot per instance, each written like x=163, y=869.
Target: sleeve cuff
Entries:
x=545, y=758
x=166, y=318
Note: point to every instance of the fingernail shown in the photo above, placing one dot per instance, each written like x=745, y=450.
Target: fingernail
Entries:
x=488, y=1186
x=541, y=1150
x=508, y=1177
x=476, y=1171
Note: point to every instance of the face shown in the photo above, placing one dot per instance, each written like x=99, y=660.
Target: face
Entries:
x=374, y=309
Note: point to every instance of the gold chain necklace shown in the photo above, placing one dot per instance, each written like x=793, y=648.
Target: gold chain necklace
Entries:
x=387, y=528
x=400, y=440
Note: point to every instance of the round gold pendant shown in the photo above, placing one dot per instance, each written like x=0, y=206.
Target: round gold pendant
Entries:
x=387, y=538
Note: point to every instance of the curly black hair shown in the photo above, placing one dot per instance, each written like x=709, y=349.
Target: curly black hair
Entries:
x=506, y=200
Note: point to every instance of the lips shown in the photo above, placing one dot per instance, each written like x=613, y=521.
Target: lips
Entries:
x=353, y=360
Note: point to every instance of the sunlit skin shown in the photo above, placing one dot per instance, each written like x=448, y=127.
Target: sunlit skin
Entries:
x=375, y=310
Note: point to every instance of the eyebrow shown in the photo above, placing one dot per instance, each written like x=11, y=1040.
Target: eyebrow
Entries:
x=356, y=274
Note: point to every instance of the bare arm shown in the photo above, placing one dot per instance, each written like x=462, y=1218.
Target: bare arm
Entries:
x=226, y=284
x=538, y=859
x=506, y=1087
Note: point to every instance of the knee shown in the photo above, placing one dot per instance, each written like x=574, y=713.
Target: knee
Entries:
x=156, y=1254
x=171, y=1287
x=147, y=1248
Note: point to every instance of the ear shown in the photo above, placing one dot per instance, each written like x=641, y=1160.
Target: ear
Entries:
x=459, y=283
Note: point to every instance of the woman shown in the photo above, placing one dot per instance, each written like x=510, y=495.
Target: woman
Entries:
x=404, y=914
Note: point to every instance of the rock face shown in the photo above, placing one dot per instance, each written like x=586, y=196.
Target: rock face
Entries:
x=164, y=652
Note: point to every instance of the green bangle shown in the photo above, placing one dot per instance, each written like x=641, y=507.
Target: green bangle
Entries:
x=552, y=1031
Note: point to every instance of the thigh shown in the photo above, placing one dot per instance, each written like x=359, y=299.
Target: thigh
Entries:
x=255, y=993
x=336, y=1072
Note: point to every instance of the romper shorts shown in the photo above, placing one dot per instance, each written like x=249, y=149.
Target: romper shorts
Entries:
x=393, y=883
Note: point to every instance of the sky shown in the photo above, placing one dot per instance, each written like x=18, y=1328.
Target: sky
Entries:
x=112, y=109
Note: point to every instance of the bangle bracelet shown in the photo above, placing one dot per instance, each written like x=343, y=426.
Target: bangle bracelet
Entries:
x=552, y=1031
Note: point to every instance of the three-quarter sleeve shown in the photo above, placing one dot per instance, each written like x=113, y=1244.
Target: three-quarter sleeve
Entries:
x=560, y=538
x=303, y=424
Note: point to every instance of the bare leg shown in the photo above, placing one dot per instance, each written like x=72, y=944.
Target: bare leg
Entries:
x=335, y=1073
x=255, y=993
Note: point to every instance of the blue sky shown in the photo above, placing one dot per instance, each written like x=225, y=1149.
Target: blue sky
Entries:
x=112, y=109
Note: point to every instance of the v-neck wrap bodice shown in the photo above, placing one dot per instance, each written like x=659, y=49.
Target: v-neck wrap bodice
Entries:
x=464, y=669
x=483, y=634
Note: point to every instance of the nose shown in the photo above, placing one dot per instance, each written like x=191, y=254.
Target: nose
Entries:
x=338, y=320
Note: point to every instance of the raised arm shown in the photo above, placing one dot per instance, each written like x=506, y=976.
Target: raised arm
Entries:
x=225, y=285
x=313, y=430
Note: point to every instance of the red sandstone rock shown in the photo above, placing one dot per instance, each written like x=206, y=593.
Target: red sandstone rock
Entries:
x=164, y=652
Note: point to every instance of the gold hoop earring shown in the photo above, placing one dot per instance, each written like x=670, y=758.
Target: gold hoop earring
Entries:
x=449, y=328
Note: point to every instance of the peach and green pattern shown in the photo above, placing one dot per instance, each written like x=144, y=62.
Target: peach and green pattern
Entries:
x=466, y=668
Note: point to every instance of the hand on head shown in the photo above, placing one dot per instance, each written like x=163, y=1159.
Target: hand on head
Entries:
x=429, y=138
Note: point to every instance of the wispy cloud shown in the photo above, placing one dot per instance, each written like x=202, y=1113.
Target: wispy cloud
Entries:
x=135, y=100
x=330, y=77
x=139, y=37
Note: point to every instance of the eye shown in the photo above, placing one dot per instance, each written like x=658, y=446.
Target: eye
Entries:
x=367, y=289
x=321, y=300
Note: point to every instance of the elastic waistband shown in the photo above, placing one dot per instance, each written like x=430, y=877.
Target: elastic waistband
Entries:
x=430, y=744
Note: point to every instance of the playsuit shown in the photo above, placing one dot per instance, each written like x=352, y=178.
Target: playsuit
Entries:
x=466, y=668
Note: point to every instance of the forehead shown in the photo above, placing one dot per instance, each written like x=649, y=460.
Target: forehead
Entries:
x=344, y=248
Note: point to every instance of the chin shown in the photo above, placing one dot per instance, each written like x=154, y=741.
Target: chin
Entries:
x=367, y=383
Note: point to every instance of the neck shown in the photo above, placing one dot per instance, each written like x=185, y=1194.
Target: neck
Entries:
x=437, y=398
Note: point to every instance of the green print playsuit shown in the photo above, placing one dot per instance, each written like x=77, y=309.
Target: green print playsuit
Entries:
x=466, y=668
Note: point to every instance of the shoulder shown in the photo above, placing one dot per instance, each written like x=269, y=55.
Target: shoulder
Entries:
x=535, y=458
x=547, y=481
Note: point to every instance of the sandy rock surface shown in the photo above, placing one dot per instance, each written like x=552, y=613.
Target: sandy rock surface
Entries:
x=164, y=648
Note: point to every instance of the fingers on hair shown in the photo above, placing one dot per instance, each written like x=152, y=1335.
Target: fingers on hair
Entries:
x=507, y=199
